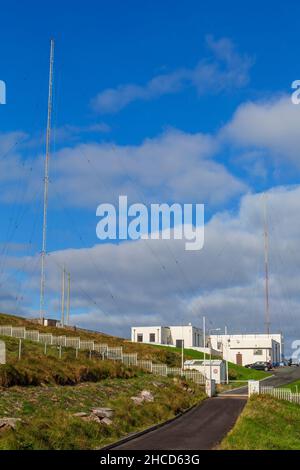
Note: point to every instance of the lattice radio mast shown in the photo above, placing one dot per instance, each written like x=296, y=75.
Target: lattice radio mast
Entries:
x=46, y=184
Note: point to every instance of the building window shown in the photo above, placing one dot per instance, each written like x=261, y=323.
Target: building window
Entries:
x=139, y=338
x=152, y=337
x=258, y=352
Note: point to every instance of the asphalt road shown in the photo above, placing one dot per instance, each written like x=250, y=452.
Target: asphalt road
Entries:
x=205, y=426
x=282, y=376
x=202, y=428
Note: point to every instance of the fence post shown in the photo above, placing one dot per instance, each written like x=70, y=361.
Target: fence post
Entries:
x=253, y=387
x=20, y=349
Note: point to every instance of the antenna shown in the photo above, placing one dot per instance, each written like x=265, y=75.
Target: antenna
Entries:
x=68, y=299
x=266, y=246
x=46, y=184
x=63, y=298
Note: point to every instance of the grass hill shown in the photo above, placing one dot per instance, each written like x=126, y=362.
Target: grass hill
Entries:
x=71, y=370
x=45, y=393
x=266, y=423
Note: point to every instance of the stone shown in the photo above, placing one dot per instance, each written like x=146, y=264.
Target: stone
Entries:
x=106, y=421
x=137, y=400
x=80, y=414
x=92, y=417
x=147, y=395
x=8, y=423
x=158, y=384
x=103, y=412
x=2, y=352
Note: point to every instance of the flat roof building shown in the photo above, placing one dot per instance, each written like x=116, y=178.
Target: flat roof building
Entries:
x=249, y=348
x=168, y=335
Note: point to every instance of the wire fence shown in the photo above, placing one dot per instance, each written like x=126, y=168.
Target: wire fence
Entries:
x=106, y=352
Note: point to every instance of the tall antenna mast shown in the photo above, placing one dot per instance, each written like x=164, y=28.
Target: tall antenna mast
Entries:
x=68, y=299
x=46, y=184
x=63, y=297
x=266, y=246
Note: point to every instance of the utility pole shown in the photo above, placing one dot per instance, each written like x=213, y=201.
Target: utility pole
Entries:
x=68, y=299
x=182, y=351
x=63, y=298
x=266, y=250
x=46, y=185
x=204, y=344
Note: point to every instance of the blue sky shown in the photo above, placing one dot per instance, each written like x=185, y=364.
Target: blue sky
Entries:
x=166, y=102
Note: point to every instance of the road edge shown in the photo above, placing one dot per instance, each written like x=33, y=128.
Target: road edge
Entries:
x=132, y=436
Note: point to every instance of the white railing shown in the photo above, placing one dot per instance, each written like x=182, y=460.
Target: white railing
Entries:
x=281, y=394
x=111, y=353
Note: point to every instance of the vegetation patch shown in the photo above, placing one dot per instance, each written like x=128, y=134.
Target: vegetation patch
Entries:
x=48, y=418
x=266, y=423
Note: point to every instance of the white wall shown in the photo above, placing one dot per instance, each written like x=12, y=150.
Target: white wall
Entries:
x=161, y=334
x=248, y=346
x=217, y=370
x=191, y=335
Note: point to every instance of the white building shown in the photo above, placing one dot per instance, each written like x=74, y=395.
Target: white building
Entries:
x=249, y=348
x=214, y=369
x=168, y=335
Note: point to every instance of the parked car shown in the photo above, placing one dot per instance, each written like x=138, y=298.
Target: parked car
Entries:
x=260, y=366
x=293, y=362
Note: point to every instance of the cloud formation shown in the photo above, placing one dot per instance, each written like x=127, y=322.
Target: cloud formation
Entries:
x=271, y=125
x=157, y=281
x=226, y=70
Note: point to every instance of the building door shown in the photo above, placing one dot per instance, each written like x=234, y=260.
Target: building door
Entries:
x=179, y=343
x=239, y=359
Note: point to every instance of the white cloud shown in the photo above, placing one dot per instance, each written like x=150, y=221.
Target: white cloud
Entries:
x=157, y=281
x=175, y=166
x=272, y=126
x=226, y=70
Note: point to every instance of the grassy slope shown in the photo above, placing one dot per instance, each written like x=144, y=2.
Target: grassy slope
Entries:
x=47, y=408
x=293, y=386
x=266, y=424
x=159, y=354
x=47, y=412
x=35, y=368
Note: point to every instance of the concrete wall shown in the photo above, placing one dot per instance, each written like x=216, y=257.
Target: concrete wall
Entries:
x=217, y=369
x=253, y=348
x=161, y=334
x=191, y=335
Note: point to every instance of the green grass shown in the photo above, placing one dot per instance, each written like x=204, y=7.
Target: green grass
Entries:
x=242, y=373
x=156, y=353
x=266, y=423
x=35, y=368
x=293, y=386
x=47, y=412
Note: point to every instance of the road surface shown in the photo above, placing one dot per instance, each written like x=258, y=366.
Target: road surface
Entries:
x=205, y=426
x=202, y=428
